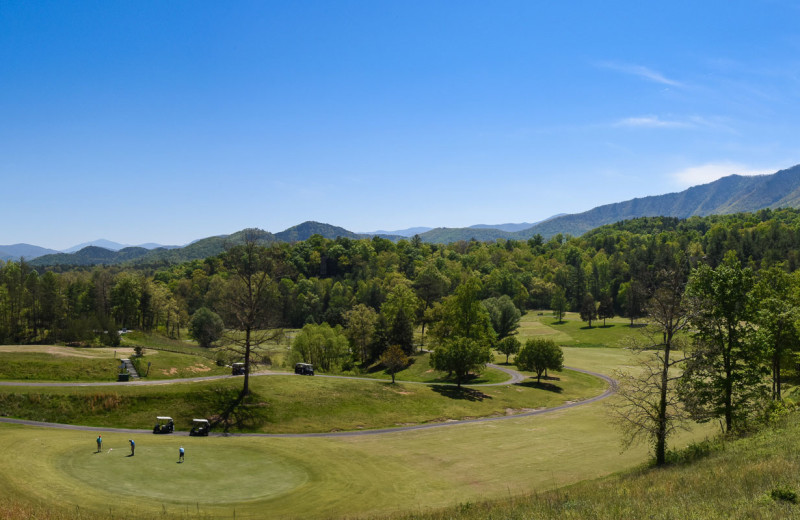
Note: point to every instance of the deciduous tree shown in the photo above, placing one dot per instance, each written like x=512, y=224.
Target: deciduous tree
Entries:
x=460, y=355
x=539, y=355
x=503, y=314
x=559, y=303
x=508, y=346
x=361, y=322
x=724, y=377
x=206, y=327
x=394, y=359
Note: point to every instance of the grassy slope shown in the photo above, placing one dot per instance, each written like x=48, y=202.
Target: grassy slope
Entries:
x=420, y=371
x=284, y=404
x=56, y=363
x=737, y=480
x=40, y=366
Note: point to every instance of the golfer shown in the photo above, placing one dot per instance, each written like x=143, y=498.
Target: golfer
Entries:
x=99, y=443
x=180, y=454
x=133, y=446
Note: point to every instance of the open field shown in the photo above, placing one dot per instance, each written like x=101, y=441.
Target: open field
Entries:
x=319, y=477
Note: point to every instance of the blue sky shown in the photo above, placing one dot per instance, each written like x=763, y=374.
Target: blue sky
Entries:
x=165, y=122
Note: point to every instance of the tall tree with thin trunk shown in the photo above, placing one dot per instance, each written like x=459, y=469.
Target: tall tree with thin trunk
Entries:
x=559, y=303
x=361, y=322
x=246, y=298
x=649, y=408
x=776, y=319
x=724, y=377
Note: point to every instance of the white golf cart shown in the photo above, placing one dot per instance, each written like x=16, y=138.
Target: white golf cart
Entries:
x=164, y=425
x=200, y=428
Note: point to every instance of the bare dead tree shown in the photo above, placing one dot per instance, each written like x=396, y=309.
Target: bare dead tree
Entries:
x=648, y=408
x=246, y=299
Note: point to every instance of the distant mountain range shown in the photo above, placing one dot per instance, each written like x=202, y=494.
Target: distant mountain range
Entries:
x=113, y=246
x=15, y=251
x=730, y=194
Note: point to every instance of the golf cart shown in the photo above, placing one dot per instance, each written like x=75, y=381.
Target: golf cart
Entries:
x=304, y=369
x=200, y=428
x=164, y=425
x=237, y=369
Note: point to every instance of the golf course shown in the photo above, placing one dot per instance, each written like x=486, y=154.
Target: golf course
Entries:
x=341, y=447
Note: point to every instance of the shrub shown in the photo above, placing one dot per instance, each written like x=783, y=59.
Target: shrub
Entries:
x=783, y=494
x=206, y=327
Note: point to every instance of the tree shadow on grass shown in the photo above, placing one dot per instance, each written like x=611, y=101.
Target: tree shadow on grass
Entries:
x=228, y=410
x=549, y=387
x=454, y=392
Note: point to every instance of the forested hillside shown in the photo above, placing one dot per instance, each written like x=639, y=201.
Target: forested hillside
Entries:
x=728, y=195
x=318, y=280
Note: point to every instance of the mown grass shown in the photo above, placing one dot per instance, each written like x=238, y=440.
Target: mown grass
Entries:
x=171, y=365
x=57, y=363
x=160, y=342
x=756, y=478
x=573, y=332
x=41, y=366
x=288, y=404
x=420, y=370
x=361, y=477
x=346, y=477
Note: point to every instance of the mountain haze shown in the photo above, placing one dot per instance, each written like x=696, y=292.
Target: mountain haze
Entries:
x=732, y=194
x=16, y=251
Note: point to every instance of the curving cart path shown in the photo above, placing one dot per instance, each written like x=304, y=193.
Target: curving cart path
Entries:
x=515, y=377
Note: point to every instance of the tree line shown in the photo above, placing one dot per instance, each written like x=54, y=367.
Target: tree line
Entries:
x=603, y=273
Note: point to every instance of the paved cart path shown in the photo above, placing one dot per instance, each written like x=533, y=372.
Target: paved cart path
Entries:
x=515, y=378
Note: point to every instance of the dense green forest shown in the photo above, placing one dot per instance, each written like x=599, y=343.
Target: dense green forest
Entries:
x=319, y=280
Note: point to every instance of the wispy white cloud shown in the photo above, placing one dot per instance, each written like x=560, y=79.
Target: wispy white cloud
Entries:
x=651, y=122
x=640, y=71
x=709, y=172
x=691, y=122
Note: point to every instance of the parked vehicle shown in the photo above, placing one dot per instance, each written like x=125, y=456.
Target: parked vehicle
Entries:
x=237, y=369
x=304, y=369
x=164, y=425
x=200, y=428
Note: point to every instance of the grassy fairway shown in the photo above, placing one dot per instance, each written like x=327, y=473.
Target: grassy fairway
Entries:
x=573, y=332
x=311, y=477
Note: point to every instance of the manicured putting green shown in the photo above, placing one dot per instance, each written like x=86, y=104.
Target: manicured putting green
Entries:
x=212, y=473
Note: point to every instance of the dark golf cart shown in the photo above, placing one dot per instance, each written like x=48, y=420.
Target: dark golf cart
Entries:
x=237, y=369
x=304, y=369
x=200, y=428
x=164, y=425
